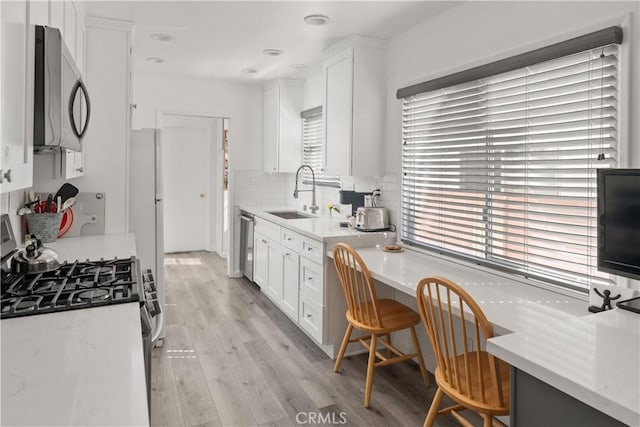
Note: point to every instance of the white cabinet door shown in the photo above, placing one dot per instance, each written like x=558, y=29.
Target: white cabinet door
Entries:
x=260, y=260
x=56, y=7
x=291, y=264
x=338, y=113
x=282, y=125
x=270, y=127
x=80, y=54
x=39, y=12
x=73, y=163
x=275, y=275
x=355, y=107
x=17, y=97
x=69, y=34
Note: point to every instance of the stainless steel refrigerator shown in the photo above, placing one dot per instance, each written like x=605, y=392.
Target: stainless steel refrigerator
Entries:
x=146, y=207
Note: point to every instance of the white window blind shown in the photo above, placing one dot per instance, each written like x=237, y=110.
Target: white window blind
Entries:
x=313, y=149
x=502, y=169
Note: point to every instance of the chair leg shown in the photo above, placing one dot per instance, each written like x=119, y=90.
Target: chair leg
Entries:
x=416, y=345
x=389, y=342
x=487, y=420
x=433, y=409
x=370, y=366
x=343, y=347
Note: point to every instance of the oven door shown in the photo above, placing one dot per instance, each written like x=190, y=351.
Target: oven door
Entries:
x=151, y=318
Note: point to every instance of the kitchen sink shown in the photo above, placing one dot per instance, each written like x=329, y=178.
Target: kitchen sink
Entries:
x=290, y=214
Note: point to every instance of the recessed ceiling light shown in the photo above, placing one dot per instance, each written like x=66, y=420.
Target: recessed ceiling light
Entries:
x=249, y=71
x=272, y=52
x=161, y=37
x=155, y=60
x=316, y=19
x=298, y=66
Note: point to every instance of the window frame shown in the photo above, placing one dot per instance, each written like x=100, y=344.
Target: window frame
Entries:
x=321, y=179
x=622, y=141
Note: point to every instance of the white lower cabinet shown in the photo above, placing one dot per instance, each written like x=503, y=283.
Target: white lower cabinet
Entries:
x=312, y=280
x=311, y=317
x=290, y=288
x=275, y=275
x=287, y=270
x=260, y=260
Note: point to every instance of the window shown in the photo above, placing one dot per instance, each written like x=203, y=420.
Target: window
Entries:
x=501, y=169
x=313, y=149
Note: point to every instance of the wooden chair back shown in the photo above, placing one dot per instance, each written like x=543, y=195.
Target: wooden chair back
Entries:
x=447, y=312
x=357, y=285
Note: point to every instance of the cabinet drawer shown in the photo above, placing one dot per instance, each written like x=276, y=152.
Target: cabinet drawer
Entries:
x=312, y=280
x=311, y=317
x=291, y=240
x=313, y=250
x=268, y=229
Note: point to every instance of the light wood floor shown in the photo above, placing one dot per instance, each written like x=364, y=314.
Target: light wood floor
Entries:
x=231, y=358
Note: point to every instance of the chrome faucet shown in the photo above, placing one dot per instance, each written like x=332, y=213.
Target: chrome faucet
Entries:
x=313, y=208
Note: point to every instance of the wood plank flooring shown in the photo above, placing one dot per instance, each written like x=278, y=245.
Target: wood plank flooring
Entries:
x=231, y=358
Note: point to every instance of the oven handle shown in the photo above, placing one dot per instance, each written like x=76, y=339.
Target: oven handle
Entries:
x=159, y=320
x=159, y=317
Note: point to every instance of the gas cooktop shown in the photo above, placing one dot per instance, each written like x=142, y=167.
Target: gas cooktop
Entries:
x=71, y=286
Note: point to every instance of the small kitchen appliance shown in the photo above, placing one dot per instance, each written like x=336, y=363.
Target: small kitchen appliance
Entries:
x=61, y=101
x=372, y=219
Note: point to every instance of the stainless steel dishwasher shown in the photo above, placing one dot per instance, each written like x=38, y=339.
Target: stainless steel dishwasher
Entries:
x=246, y=244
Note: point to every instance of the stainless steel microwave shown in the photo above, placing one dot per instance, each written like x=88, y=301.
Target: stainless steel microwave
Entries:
x=61, y=101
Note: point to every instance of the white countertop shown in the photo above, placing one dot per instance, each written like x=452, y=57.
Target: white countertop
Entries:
x=78, y=367
x=595, y=359
x=509, y=305
x=319, y=227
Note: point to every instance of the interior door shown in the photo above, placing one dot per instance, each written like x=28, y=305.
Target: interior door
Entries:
x=186, y=164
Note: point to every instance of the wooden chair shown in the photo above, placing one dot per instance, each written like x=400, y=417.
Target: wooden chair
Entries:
x=475, y=379
x=375, y=317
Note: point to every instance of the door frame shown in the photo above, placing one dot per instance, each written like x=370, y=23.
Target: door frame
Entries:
x=214, y=219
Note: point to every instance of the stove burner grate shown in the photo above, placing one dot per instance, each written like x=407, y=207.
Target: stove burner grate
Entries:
x=94, y=295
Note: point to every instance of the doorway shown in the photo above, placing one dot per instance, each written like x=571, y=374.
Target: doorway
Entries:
x=193, y=178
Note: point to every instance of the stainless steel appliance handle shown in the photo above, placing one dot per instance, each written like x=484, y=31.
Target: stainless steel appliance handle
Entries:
x=79, y=85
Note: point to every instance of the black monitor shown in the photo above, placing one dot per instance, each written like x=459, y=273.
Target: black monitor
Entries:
x=619, y=222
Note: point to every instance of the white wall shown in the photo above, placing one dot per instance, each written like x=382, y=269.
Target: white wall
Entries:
x=242, y=104
x=476, y=33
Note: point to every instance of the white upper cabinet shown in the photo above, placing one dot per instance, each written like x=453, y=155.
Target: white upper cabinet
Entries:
x=69, y=33
x=17, y=97
x=57, y=14
x=354, y=107
x=39, y=12
x=282, y=125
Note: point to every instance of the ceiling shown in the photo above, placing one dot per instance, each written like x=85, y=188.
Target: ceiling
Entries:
x=218, y=39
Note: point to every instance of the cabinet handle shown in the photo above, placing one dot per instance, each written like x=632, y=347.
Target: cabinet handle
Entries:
x=308, y=315
x=264, y=241
x=80, y=170
x=309, y=248
x=287, y=254
x=7, y=175
x=310, y=279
